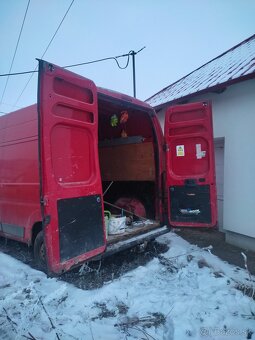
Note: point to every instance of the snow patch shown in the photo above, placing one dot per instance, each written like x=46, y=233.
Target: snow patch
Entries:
x=185, y=293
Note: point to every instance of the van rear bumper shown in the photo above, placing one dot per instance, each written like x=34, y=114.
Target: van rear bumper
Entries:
x=133, y=241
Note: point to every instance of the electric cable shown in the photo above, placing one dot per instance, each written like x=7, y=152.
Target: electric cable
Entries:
x=29, y=79
x=16, y=48
x=80, y=64
x=61, y=22
x=16, y=73
x=104, y=59
x=4, y=103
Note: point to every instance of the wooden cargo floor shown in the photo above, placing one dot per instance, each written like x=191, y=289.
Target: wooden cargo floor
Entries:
x=132, y=231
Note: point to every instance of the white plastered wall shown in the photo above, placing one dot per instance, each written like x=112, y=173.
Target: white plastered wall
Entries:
x=234, y=120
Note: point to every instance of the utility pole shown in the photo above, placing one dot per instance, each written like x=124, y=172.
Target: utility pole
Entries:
x=133, y=53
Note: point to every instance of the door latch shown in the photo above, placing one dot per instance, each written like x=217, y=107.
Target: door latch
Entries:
x=44, y=201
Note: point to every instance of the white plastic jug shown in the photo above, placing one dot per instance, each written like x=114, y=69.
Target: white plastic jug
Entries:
x=117, y=225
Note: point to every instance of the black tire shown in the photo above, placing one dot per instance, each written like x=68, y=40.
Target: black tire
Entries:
x=39, y=252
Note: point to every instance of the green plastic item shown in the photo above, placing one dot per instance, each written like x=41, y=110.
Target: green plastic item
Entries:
x=114, y=121
x=107, y=216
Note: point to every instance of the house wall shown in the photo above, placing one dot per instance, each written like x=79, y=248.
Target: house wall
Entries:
x=219, y=144
x=234, y=122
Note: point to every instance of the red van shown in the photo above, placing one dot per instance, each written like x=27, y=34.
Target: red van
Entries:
x=83, y=150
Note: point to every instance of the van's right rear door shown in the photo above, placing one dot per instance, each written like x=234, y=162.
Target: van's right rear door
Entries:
x=190, y=165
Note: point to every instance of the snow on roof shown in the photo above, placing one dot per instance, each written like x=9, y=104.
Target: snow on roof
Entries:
x=234, y=65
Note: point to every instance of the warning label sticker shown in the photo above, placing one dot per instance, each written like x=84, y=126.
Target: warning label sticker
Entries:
x=180, y=151
x=198, y=151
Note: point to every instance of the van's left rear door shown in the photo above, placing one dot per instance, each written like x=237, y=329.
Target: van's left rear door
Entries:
x=71, y=191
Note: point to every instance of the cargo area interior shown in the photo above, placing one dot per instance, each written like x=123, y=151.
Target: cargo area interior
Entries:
x=128, y=168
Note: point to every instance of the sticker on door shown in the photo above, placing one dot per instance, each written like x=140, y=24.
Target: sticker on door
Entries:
x=180, y=151
x=199, y=153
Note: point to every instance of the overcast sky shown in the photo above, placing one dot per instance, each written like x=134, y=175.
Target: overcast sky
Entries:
x=179, y=36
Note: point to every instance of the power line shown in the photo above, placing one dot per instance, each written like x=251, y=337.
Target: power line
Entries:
x=104, y=59
x=16, y=73
x=16, y=48
x=132, y=52
x=12, y=106
x=61, y=22
x=81, y=64
x=31, y=76
x=108, y=58
x=3, y=103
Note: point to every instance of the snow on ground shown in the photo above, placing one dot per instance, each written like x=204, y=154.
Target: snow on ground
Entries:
x=186, y=293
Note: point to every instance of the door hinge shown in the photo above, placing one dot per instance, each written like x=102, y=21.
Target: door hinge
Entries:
x=46, y=220
x=166, y=147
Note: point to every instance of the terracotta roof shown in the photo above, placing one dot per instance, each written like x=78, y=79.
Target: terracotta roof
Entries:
x=234, y=65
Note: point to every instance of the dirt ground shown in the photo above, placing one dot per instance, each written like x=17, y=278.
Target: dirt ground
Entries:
x=225, y=251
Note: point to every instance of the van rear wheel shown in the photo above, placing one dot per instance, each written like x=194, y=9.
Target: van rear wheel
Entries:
x=39, y=252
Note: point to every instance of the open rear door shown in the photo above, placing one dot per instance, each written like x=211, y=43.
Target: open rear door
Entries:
x=190, y=166
x=71, y=192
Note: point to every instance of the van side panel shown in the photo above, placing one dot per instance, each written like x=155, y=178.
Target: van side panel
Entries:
x=19, y=174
